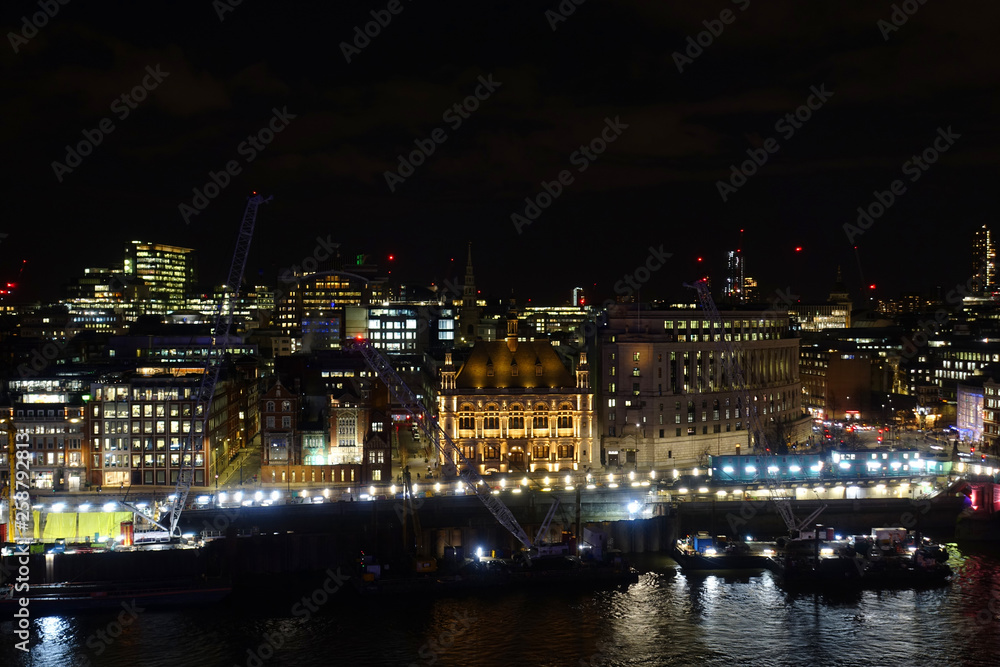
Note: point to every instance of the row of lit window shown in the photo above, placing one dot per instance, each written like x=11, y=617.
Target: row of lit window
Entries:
x=514, y=423
x=146, y=427
x=147, y=461
x=124, y=410
x=141, y=393
x=492, y=452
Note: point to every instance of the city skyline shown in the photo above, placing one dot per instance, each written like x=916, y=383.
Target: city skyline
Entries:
x=732, y=265
x=687, y=125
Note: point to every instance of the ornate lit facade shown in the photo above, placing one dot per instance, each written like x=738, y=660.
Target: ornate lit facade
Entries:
x=514, y=407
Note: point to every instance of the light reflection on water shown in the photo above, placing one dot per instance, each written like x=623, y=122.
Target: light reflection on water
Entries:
x=668, y=618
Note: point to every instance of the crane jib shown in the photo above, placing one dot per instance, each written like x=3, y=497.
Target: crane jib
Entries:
x=213, y=364
x=403, y=395
x=731, y=362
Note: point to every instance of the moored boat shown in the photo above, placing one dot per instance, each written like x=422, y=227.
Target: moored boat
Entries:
x=887, y=558
x=702, y=552
x=59, y=598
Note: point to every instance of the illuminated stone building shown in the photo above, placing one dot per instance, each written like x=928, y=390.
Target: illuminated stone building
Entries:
x=665, y=400
x=50, y=411
x=332, y=427
x=513, y=407
x=137, y=423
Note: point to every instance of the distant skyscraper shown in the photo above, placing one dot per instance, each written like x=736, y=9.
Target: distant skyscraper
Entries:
x=167, y=271
x=313, y=303
x=984, y=262
x=734, y=288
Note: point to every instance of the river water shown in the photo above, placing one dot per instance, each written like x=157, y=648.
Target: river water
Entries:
x=669, y=618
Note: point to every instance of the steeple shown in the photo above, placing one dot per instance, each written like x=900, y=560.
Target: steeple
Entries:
x=839, y=292
x=468, y=317
x=469, y=287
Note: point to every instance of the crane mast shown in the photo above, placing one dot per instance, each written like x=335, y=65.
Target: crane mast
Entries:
x=213, y=364
x=403, y=395
x=758, y=435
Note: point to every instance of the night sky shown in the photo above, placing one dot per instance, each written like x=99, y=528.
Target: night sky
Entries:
x=885, y=91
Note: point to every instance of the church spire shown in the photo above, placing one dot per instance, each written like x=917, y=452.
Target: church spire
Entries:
x=469, y=314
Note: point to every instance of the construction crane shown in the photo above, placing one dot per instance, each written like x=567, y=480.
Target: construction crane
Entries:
x=213, y=365
x=422, y=563
x=758, y=435
x=403, y=395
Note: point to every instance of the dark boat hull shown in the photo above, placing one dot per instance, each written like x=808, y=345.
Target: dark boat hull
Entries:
x=55, y=599
x=696, y=561
x=834, y=573
x=822, y=572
